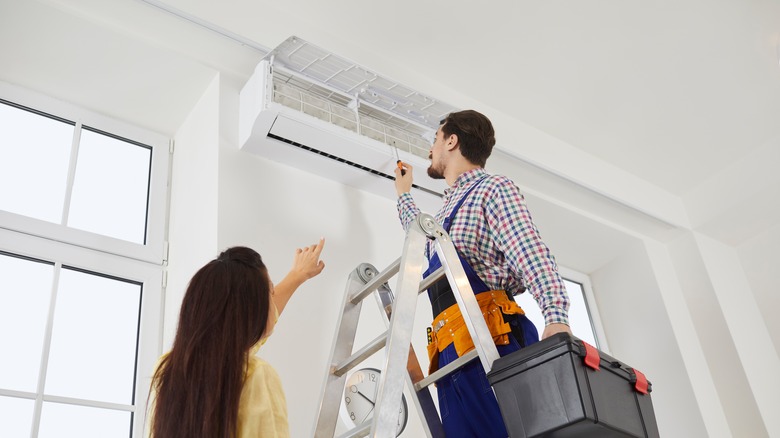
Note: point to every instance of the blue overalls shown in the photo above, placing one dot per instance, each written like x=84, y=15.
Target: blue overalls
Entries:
x=467, y=404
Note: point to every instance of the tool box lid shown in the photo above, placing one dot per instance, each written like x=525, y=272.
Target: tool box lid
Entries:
x=558, y=345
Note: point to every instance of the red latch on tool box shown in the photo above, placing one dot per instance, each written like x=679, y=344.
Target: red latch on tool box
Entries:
x=641, y=381
x=592, y=358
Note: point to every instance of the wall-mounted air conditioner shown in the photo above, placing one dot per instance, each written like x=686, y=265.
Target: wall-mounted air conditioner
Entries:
x=312, y=110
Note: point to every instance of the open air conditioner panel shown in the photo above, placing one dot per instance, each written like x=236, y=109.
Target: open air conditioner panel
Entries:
x=315, y=111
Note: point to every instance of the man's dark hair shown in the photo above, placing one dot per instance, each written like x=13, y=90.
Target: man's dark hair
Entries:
x=475, y=134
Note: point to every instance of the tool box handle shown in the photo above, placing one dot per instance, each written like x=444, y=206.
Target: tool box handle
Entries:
x=640, y=381
x=592, y=359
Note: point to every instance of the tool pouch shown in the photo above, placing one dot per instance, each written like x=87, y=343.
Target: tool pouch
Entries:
x=449, y=327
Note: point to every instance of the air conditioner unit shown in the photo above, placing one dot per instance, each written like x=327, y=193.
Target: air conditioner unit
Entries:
x=315, y=111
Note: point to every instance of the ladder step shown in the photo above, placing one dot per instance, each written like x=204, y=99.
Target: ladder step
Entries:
x=429, y=280
x=360, y=431
x=445, y=370
x=372, y=347
x=380, y=341
x=388, y=273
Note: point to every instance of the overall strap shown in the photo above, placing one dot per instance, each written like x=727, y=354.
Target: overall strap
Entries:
x=448, y=221
x=440, y=292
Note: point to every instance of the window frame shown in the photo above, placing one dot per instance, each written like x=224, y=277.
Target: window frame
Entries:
x=65, y=246
x=154, y=249
x=590, y=302
x=149, y=345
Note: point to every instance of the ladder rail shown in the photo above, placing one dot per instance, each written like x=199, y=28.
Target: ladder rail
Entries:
x=423, y=401
x=346, y=329
x=388, y=399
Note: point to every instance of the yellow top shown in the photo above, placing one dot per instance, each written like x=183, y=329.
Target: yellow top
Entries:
x=262, y=408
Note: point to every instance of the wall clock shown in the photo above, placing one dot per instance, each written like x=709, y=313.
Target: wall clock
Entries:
x=360, y=394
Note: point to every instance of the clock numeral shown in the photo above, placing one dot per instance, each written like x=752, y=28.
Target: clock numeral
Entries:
x=352, y=415
x=372, y=377
x=353, y=389
x=348, y=400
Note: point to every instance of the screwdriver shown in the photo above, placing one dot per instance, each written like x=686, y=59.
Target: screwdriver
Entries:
x=399, y=163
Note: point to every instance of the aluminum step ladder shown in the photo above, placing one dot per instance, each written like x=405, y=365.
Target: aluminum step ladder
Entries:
x=401, y=364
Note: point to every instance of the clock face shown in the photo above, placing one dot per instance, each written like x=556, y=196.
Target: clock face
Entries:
x=360, y=395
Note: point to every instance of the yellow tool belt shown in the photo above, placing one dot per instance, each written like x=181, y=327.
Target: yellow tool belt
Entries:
x=450, y=327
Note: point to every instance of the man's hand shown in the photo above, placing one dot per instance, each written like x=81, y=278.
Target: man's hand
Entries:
x=403, y=183
x=555, y=328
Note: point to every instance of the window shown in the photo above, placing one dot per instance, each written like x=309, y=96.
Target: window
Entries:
x=77, y=339
x=34, y=157
x=108, y=194
x=110, y=187
x=82, y=218
x=583, y=314
x=70, y=179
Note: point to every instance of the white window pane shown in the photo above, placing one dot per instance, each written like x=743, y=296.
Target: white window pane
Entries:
x=34, y=159
x=111, y=186
x=527, y=302
x=579, y=319
x=16, y=416
x=61, y=420
x=94, y=338
x=25, y=290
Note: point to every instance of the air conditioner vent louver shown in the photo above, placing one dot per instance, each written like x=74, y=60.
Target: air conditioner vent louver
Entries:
x=345, y=161
x=315, y=111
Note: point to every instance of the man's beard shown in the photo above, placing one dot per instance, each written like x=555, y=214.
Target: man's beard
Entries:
x=435, y=173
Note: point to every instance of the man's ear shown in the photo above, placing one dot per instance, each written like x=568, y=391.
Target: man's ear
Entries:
x=452, y=142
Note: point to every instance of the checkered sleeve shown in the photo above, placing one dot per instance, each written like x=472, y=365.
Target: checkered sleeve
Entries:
x=528, y=257
x=407, y=210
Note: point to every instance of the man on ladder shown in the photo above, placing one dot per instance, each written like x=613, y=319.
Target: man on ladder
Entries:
x=500, y=250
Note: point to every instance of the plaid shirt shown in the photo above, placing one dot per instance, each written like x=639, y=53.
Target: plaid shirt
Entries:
x=494, y=232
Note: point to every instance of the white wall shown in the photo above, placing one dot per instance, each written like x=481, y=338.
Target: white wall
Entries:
x=194, y=202
x=715, y=338
x=660, y=307
x=696, y=368
x=760, y=257
x=737, y=202
x=640, y=334
x=752, y=342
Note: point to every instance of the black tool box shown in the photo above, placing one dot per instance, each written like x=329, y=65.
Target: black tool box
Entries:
x=563, y=387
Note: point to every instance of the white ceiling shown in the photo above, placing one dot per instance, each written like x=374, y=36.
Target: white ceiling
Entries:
x=678, y=93
x=671, y=91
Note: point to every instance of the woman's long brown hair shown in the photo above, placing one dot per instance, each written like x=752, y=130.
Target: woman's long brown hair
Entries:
x=223, y=314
